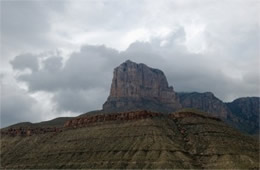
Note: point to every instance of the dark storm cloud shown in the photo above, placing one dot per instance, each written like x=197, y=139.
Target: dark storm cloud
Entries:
x=86, y=69
x=83, y=82
x=24, y=61
x=53, y=64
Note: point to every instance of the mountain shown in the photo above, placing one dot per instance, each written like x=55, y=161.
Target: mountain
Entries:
x=245, y=114
x=133, y=131
x=242, y=113
x=137, y=86
x=204, y=101
x=141, y=139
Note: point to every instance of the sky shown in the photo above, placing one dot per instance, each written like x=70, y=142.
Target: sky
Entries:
x=58, y=56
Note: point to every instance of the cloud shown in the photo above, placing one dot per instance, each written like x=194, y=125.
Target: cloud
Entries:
x=84, y=78
x=200, y=46
x=26, y=26
x=201, y=72
x=85, y=69
x=83, y=100
x=53, y=64
x=24, y=61
x=23, y=21
x=89, y=72
x=28, y=22
x=17, y=106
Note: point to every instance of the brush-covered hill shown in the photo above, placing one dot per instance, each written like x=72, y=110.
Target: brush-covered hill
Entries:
x=57, y=122
x=141, y=139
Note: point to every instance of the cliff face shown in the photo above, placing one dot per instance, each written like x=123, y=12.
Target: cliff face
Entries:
x=245, y=114
x=206, y=102
x=137, y=86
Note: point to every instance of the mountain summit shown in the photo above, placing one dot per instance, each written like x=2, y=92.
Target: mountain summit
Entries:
x=137, y=86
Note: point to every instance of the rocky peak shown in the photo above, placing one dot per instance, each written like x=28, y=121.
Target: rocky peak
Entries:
x=137, y=86
x=245, y=113
x=204, y=101
x=246, y=106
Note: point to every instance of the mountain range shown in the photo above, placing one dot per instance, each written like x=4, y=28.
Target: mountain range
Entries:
x=143, y=124
x=137, y=86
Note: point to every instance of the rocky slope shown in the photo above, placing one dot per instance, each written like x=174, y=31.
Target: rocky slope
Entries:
x=137, y=86
x=186, y=139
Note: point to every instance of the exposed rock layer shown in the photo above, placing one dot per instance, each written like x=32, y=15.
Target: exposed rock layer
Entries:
x=28, y=131
x=137, y=86
x=126, y=116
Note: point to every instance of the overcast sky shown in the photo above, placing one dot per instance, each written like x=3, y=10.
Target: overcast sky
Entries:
x=57, y=57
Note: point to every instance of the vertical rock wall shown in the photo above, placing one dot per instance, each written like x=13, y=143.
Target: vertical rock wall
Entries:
x=137, y=86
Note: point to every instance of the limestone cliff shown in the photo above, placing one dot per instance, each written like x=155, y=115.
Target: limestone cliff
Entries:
x=137, y=86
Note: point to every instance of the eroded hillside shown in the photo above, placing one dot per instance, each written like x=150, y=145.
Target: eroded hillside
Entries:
x=151, y=140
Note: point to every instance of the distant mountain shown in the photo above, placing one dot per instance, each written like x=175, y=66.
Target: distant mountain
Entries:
x=245, y=114
x=242, y=113
x=204, y=101
x=132, y=140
